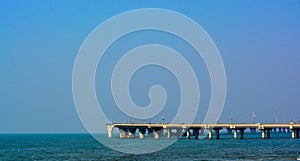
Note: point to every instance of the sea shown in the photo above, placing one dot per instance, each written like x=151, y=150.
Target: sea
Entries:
x=84, y=147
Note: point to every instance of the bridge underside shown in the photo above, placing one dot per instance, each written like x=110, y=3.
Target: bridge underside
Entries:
x=196, y=130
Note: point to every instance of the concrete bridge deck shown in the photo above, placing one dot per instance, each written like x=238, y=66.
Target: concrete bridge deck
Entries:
x=127, y=130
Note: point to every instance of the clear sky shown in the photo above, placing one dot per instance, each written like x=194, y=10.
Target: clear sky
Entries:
x=259, y=42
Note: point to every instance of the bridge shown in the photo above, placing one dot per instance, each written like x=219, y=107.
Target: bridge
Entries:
x=128, y=130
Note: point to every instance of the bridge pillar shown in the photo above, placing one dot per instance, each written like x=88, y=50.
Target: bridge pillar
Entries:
x=156, y=134
x=196, y=132
x=150, y=132
x=142, y=132
x=168, y=133
x=235, y=134
x=123, y=133
x=142, y=136
x=178, y=133
x=268, y=133
x=297, y=133
x=242, y=133
x=263, y=133
x=110, y=130
x=130, y=135
x=188, y=134
x=217, y=131
x=210, y=136
x=294, y=133
x=131, y=132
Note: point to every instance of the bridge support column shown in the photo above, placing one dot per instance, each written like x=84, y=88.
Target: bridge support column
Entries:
x=188, y=134
x=263, y=133
x=123, y=133
x=168, y=133
x=110, y=130
x=210, y=136
x=242, y=133
x=196, y=131
x=142, y=136
x=142, y=132
x=130, y=135
x=293, y=133
x=150, y=132
x=178, y=133
x=217, y=131
x=156, y=134
x=268, y=133
x=131, y=132
x=235, y=134
x=297, y=133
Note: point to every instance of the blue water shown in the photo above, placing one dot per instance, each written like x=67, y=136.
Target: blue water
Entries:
x=85, y=147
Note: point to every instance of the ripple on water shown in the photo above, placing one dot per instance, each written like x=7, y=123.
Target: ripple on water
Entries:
x=84, y=147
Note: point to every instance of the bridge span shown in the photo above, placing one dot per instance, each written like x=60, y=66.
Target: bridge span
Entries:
x=128, y=130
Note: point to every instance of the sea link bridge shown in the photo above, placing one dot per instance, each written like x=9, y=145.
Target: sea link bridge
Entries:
x=128, y=130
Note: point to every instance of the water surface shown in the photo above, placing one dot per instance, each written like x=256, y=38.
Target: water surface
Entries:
x=85, y=147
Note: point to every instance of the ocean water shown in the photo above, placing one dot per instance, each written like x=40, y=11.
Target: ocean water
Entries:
x=85, y=147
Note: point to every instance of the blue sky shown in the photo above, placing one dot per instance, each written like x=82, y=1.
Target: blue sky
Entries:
x=258, y=41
